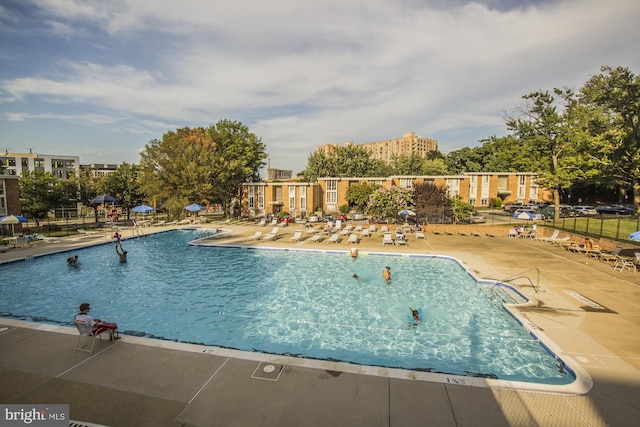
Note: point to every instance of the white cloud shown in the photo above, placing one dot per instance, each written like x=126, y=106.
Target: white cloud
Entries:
x=303, y=73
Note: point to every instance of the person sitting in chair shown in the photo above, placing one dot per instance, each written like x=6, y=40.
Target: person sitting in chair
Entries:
x=98, y=325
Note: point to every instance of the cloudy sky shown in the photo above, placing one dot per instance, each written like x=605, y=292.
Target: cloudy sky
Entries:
x=99, y=79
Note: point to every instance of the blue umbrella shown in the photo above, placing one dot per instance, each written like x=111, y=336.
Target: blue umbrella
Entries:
x=13, y=219
x=103, y=199
x=143, y=209
x=635, y=236
x=525, y=215
x=194, y=207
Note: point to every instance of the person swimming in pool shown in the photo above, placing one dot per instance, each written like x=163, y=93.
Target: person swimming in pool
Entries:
x=415, y=314
x=386, y=273
x=73, y=261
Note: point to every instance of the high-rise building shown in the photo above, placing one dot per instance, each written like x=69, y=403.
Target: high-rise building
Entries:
x=60, y=166
x=408, y=144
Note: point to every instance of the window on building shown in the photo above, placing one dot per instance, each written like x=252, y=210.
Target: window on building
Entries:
x=38, y=164
x=251, y=194
x=406, y=183
x=292, y=198
x=303, y=199
x=332, y=191
x=484, y=202
x=453, y=186
x=260, y=197
x=503, y=183
x=472, y=201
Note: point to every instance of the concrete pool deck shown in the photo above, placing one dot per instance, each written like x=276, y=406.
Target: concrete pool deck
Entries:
x=145, y=382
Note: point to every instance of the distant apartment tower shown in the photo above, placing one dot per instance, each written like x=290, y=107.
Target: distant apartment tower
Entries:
x=408, y=145
x=60, y=166
x=100, y=169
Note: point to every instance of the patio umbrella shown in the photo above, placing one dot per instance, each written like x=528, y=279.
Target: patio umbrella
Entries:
x=194, y=207
x=13, y=219
x=103, y=199
x=143, y=209
x=525, y=215
x=407, y=212
x=635, y=236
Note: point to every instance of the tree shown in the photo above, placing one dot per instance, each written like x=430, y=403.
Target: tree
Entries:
x=505, y=154
x=202, y=165
x=546, y=129
x=432, y=202
x=612, y=100
x=239, y=155
x=387, y=202
x=124, y=184
x=404, y=164
x=40, y=192
x=358, y=195
x=464, y=160
x=319, y=164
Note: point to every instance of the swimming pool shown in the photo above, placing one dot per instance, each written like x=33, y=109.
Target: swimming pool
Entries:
x=302, y=303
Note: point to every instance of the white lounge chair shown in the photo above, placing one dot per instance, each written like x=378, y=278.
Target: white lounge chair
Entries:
x=346, y=230
x=387, y=240
x=384, y=229
x=256, y=235
x=262, y=222
x=273, y=235
x=400, y=240
x=372, y=229
x=358, y=229
x=42, y=238
x=338, y=225
x=365, y=233
x=334, y=238
x=624, y=262
x=297, y=236
x=420, y=235
x=353, y=238
x=552, y=237
x=316, y=238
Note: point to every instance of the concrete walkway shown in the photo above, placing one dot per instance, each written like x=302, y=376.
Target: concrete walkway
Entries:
x=144, y=382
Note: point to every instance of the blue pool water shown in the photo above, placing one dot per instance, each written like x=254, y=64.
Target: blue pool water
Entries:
x=298, y=303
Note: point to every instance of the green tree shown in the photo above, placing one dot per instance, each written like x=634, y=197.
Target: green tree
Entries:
x=387, y=202
x=461, y=209
x=202, y=165
x=464, y=160
x=432, y=202
x=612, y=100
x=352, y=161
x=545, y=127
x=239, y=155
x=505, y=154
x=319, y=164
x=404, y=164
x=434, y=167
x=40, y=192
x=125, y=185
x=358, y=195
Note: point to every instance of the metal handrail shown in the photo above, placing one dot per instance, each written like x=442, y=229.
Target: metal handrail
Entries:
x=522, y=275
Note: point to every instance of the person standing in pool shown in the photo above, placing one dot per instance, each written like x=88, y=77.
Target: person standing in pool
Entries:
x=386, y=273
x=122, y=254
x=73, y=261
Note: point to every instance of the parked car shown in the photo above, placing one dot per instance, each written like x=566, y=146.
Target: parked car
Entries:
x=511, y=207
x=614, y=210
x=548, y=212
x=580, y=210
x=358, y=216
x=341, y=217
x=314, y=218
x=327, y=217
x=476, y=219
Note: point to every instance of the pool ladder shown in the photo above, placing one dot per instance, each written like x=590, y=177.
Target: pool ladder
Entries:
x=523, y=275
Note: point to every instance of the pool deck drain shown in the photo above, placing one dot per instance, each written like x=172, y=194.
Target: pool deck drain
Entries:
x=268, y=371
